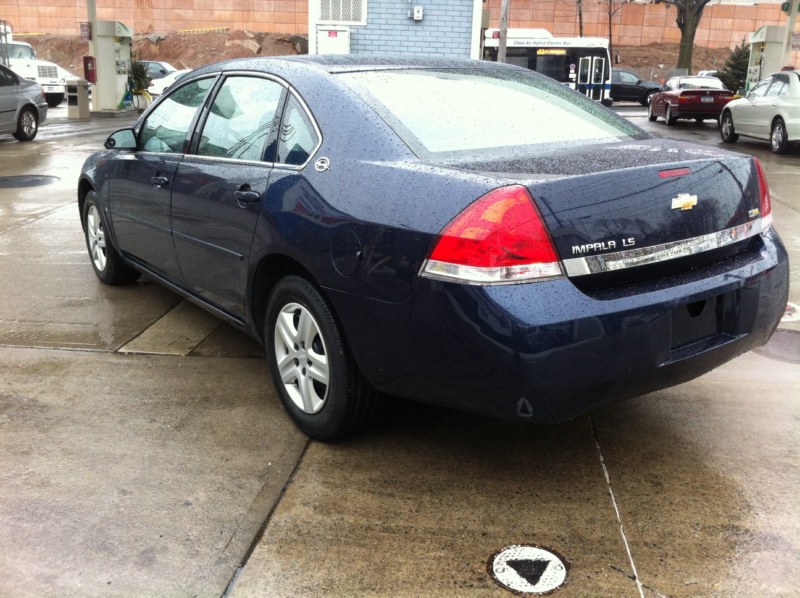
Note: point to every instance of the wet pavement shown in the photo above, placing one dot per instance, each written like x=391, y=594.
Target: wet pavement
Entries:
x=143, y=451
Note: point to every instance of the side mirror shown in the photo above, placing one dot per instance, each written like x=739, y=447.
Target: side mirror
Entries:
x=124, y=139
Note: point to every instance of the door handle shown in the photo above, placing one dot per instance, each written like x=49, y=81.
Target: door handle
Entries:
x=245, y=197
x=159, y=181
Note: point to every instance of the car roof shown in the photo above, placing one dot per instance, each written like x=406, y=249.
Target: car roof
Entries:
x=339, y=63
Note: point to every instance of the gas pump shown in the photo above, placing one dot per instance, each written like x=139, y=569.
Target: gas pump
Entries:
x=111, y=48
x=766, y=53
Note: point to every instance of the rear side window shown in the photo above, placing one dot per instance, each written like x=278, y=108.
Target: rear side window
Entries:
x=241, y=119
x=461, y=111
x=298, y=139
x=167, y=127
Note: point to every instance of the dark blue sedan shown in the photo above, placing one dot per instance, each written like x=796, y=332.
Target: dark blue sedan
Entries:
x=463, y=233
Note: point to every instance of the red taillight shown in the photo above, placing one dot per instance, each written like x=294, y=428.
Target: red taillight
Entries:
x=764, y=202
x=499, y=238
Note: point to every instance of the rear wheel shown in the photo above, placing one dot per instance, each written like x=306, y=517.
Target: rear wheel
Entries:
x=313, y=371
x=779, y=140
x=671, y=120
x=107, y=263
x=726, y=130
x=27, y=125
x=651, y=116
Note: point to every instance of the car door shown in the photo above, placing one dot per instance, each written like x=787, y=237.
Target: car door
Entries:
x=766, y=107
x=9, y=92
x=140, y=189
x=627, y=87
x=744, y=119
x=660, y=99
x=219, y=188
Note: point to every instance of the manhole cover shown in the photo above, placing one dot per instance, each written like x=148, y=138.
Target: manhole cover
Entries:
x=528, y=569
x=8, y=182
x=783, y=346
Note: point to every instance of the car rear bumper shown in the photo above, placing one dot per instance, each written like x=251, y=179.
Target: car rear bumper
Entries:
x=549, y=352
x=696, y=111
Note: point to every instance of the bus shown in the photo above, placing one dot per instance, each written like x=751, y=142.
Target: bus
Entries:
x=582, y=63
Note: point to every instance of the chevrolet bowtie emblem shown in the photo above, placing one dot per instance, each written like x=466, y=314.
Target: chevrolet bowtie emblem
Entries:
x=684, y=201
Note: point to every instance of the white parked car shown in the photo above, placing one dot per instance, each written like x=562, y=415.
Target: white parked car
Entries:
x=771, y=111
x=157, y=86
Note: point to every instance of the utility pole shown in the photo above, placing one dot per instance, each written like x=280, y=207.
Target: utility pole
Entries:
x=501, y=44
x=787, y=40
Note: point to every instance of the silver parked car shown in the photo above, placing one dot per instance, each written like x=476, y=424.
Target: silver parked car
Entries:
x=771, y=112
x=23, y=107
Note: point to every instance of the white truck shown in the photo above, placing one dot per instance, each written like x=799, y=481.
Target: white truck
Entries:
x=20, y=57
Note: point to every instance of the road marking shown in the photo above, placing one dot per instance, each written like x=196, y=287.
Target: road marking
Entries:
x=528, y=569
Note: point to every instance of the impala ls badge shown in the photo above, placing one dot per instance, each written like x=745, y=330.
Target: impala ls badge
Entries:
x=684, y=201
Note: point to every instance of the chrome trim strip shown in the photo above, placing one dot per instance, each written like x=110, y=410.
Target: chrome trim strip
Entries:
x=630, y=258
x=488, y=276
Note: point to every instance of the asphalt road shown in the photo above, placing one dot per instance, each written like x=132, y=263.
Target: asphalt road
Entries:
x=144, y=453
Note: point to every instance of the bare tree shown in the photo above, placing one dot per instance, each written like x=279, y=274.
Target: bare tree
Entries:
x=580, y=17
x=613, y=7
x=688, y=19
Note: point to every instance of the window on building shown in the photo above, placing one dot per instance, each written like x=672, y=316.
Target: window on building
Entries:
x=343, y=12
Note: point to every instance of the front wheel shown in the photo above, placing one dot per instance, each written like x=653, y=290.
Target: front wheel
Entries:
x=27, y=125
x=107, y=263
x=726, y=129
x=313, y=371
x=778, y=139
x=645, y=101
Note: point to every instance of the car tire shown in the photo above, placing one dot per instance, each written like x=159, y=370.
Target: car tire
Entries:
x=726, y=129
x=645, y=101
x=671, y=120
x=27, y=125
x=54, y=99
x=313, y=371
x=107, y=263
x=651, y=116
x=699, y=120
x=778, y=139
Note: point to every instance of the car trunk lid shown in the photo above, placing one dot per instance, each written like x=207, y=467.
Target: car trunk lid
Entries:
x=619, y=206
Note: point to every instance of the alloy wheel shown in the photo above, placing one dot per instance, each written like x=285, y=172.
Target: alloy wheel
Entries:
x=302, y=358
x=96, y=237
x=28, y=123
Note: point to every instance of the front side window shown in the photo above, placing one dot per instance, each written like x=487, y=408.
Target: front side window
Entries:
x=167, y=127
x=298, y=139
x=466, y=110
x=20, y=52
x=241, y=119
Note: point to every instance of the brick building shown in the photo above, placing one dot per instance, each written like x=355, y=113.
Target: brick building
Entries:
x=448, y=25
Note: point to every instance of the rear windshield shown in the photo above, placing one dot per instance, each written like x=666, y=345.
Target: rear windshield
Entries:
x=701, y=83
x=446, y=111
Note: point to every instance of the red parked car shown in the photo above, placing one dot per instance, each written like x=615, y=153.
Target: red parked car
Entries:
x=699, y=98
